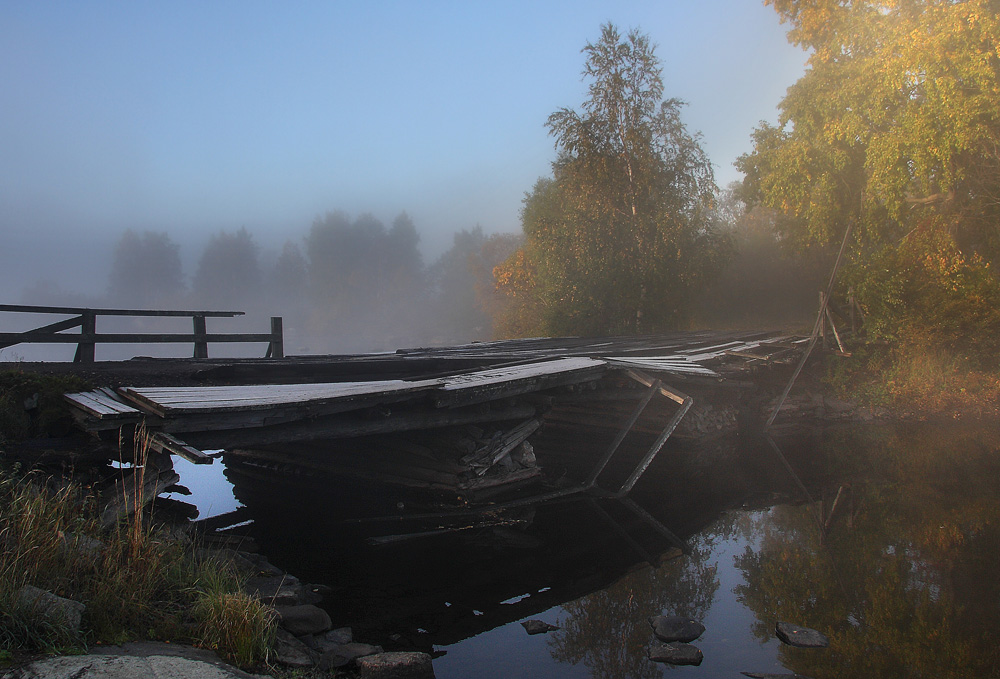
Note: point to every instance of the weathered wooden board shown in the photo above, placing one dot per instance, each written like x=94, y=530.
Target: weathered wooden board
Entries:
x=165, y=443
x=496, y=383
x=172, y=401
x=102, y=404
x=671, y=364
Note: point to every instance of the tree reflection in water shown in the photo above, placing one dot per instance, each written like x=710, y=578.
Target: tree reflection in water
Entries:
x=608, y=630
x=903, y=578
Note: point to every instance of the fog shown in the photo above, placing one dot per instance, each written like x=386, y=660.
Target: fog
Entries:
x=196, y=123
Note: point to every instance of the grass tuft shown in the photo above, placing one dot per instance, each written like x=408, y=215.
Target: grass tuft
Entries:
x=237, y=625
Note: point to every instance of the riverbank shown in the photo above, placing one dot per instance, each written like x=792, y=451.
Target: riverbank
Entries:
x=72, y=587
x=69, y=582
x=913, y=383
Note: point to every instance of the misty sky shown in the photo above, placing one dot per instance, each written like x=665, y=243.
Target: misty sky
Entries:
x=191, y=117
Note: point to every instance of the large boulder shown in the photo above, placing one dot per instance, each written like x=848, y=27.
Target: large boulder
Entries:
x=304, y=619
x=46, y=607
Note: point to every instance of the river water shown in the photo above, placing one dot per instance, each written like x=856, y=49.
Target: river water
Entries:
x=884, y=538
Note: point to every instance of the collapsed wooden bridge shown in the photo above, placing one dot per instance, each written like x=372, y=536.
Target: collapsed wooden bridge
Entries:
x=468, y=420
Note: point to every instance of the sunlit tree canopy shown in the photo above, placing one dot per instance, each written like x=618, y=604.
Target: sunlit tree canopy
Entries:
x=621, y=232
x=894, y=126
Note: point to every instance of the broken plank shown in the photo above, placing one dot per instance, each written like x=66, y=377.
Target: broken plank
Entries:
x=98, y=403
x=673, y=364
x=165, y=443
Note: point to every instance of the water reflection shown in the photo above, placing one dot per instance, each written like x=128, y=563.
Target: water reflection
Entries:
x=902, y=579
x=607, y=631
x=886, y=539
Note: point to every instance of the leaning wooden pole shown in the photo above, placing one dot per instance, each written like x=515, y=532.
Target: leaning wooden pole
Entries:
x=816, y=328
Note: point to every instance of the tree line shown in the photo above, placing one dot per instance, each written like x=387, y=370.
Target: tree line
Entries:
x=349, y=284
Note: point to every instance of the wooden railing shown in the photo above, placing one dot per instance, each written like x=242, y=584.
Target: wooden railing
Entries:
x=88, y=337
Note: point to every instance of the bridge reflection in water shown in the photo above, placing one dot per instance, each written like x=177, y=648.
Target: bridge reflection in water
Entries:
x=882, y=537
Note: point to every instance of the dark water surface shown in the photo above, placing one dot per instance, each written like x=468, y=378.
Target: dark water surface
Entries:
x=886, y=539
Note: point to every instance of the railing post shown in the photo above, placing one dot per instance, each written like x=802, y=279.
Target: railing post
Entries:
x=85, y=347
x=200, y=340
x=276, y=347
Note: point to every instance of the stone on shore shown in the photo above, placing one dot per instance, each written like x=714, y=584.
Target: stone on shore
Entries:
x=801, y=637
x=345, y=654
x=671, y=628
x=396, y=665
x=675, y=654
x=304, y=619
x=123, y=667
x=291, y=652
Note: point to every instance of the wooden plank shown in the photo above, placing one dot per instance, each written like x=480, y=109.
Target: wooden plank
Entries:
x=174, y=401
x=674, y=364
x=493, y=384
x=350, y=426
x=99, y=404
x=165, y=443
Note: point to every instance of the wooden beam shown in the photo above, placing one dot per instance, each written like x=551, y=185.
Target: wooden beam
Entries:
x=31, y=309
x=165, y=443
x=75, y=322
x=37, y=337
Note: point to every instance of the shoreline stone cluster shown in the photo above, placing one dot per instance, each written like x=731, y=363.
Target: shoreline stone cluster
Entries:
x=305, y=637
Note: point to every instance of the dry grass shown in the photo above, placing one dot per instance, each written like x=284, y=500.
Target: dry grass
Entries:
x=136, y=580
x=918, y=381
x=235, y=624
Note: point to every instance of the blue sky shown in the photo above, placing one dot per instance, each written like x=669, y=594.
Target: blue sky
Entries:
x=191, y=117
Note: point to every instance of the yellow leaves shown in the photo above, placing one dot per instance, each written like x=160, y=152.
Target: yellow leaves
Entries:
x=516, y=275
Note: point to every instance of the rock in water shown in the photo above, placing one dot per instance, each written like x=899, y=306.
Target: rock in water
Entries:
x=676, y=628
x=538, y=626
x=676, y=654
x=769, y=675
x=396, y=665
x=802, y=637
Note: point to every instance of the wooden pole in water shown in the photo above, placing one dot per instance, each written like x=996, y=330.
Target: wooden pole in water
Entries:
x=820, y=317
